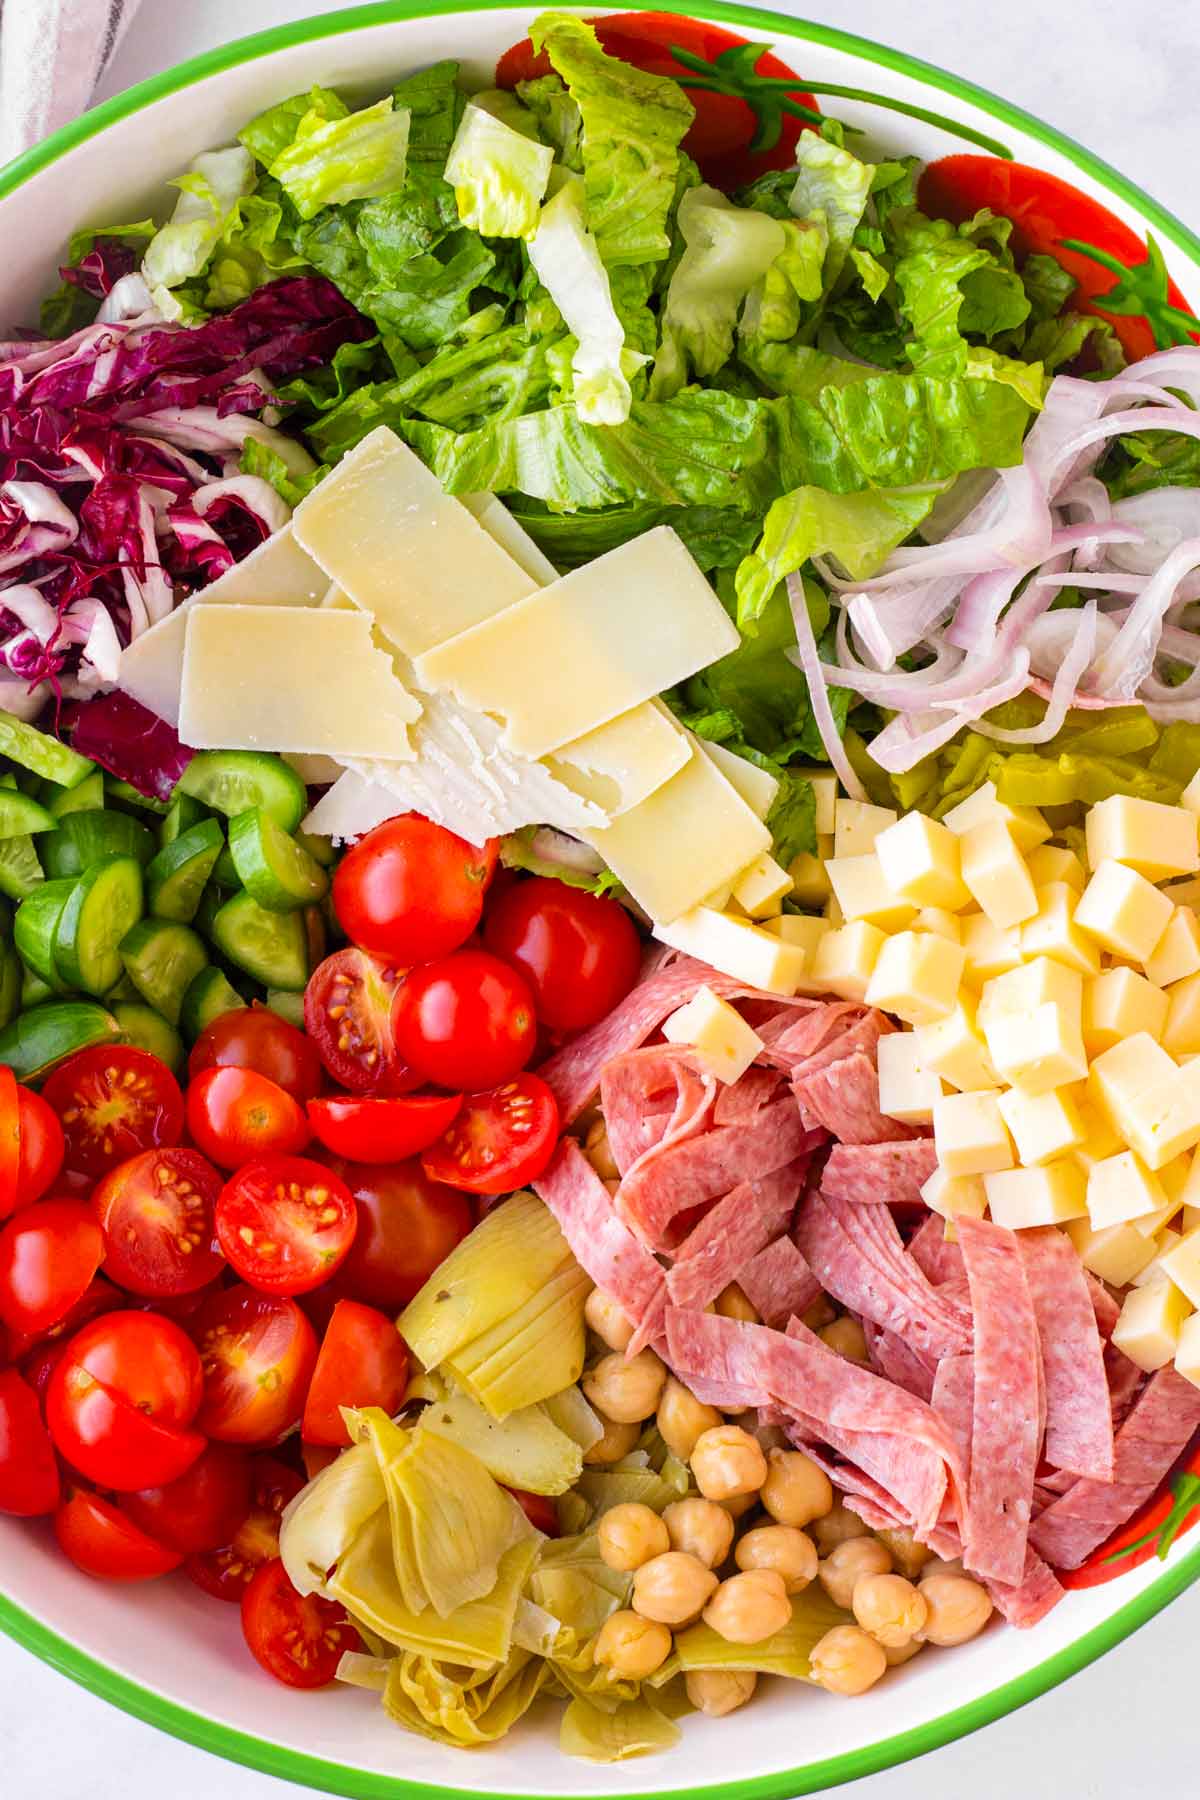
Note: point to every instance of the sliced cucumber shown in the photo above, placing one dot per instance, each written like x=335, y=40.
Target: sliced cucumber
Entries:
x=162, y=957
x=46, y=1035
x=106, y=904
x=148, y=1030
x=59, y=801
x=123, y=793
x=225, y=874
x=11, y=974
x=270, y=946
x=230, y=781
x=209, y=995
x=288, y=1006
x=33, y=989
x=271, y=865
x=44, y=755
x=84, y=838
x=20, y=814
x=177, y=877
x=122, y=989
x=211, y=901
x=180, y=816
x=319, y=848
x=20, y=870
x=35, y=927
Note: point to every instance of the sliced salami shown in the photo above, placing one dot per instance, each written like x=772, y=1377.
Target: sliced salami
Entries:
x=890, y=1174
x=815, y=1041
x=654, y=1098
x=1079, y=1434
x=954, y=1399
x=844, y=1098
x=779, y=1283
x=747, y=1096
x=716, y=1251
x=601, y=1243
x=937, y=1259
x=893, y=1358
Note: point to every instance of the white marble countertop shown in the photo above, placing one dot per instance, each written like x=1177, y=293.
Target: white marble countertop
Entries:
x=1126, y=1727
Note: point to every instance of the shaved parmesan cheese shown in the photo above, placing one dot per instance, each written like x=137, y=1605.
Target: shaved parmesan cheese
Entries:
x=757, y=787
x=622, y=763
x=352, y=807
x=499, y=524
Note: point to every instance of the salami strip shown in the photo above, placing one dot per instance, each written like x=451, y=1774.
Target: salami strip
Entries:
x=1157, y=1431
x=814, y=1042
x=844, y=1098
x=892, y=1357
x=716, y=1251
x=601, y=1243
x=1106, y=1309
x=779, y=1283
x=747, y=1096
x=880, y=1174
x=654, y=1098
x=954, y=1399
x=1005, y=1423
x=1124, y=1383
x=720, y=1366
x=936, y=1258
x=1079, y=1434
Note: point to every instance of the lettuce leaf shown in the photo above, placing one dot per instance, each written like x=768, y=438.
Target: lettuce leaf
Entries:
x=728, y=249
x=567, y=260
x=832, y=186
x=208, y=197
x=270, y=134
x=498, y=174
x=332, y=160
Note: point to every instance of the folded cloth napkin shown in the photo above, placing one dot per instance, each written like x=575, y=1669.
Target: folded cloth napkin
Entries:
x=52, y=53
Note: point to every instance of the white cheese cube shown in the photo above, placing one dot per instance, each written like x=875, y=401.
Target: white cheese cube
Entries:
x=922, y=862
x=825, y=796
x=954, y=1048
x=1043, y=1126
x=845, y=959
x=810, y=883
x=1053, y=932
x=861, y=890
x=1120, y=1074
x=717, y=1032
x=1117, y=1255
x=1118, y=1003
x=1123, y=911
x=833, y=912
x=1120, y=1189
x=760, y=890
x=1038, y=1050
x=916, y=977
x=955, y=1196
x=1177, y=953
x=1181, y=1033
x=997, y=876
x=1150, y=1323
x=1048, y=1195
x=1100, y=1137
x=1049, y=862
x=907, y=1090
x=1187, y=1350
x=990, y=951
x=1158, y=841
x=1025, y=824
x=1166, y=1121
x=1182, y=1266
x=940, y=922
x=856, y=825
x=970, y=1135
x=1164, y=1242
x=737, y=948
x=803, y=930
x=1039, y=982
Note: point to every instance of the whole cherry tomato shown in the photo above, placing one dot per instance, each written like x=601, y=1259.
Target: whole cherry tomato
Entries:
x=28, y=1470
x=375, y=1131
x=579, y=953
x=236, y=1114
x=410, y=890
x=500, y=1140
x=466, y=1021
x=286, y=1224
x=258, y=1352
x=348, y=1015
x=48, y=1256
x=407, y=1225
x=114, y=1101
x=254, y=1037
x=202, y=1509
x=122, y=1398
x=157, y=1211
x=102, y=1542
x=362, y=1362
x=300, y=1639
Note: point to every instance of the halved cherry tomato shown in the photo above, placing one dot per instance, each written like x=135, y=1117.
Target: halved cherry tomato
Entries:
x=200, y=1511
x=286, y=1224
x=227, y=1573
x=407, y=1225
x=348, y=1015
x=539, y=1509
x=100, y=1296
x=579, y=953
x=258, y=1352
x=28, y=1470
x=48, y=1256
x=121, y=1401
x=363, y=1362
x=42, y=1146
x=103, y=1542
x=114, y=1101
x=410, y=890
x=298, y=1638
x=10, y=1141
x=253, y=1037
x=734, y=136
x=236, y=1114
x=466, y=1021
x=157, y=1211
x=499, y=1141
x=379, y=1131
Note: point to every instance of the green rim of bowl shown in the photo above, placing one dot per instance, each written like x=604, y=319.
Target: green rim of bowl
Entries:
x=361, y=1784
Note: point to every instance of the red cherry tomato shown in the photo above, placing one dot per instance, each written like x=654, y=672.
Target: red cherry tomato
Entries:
x=376, y=1131
x=466, y=1021
x=348, y=1015
x=10, y=1141
x=28, y=1470
x=227, y=1573
x=317, y=1458
x=499, y=1141
x=407, y=1225
x=258, y=1352
x=200, y=1511
x=410, y=890
x=121, y=1399
x=363, y=1362
x=286, y=1224
x=579, y=953
x=114, y=1101
x=100, y=1296
x=731, y=116
x=539, y=1509
x=48, y=1256
x=253, y=1037
x=297, y=1638
x=103, y=1542
x=1045, y=210
x=236, y=1114
x=40, y=1148
x=157, y=1212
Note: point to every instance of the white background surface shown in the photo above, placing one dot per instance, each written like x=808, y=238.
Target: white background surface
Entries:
x=1126, y=1727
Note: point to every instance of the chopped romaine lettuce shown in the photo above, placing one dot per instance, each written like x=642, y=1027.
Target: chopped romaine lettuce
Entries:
x=331, y=160
x=568, y=263
x=498, y=174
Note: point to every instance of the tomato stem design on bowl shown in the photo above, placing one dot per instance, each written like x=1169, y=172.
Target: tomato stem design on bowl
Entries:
x=1141, y=292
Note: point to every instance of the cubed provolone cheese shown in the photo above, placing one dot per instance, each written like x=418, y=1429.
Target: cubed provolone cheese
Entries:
x=1051, y=862
x=1120, y=1189
x=1053, y=932
x=845, y=959
x=922, y=862
x=761, y=888
x=1181, y=1033
x=916, y=977
x=1177, y=953
x=955, y=1196
x=1038, y=1050
x=1182, y=1266
x=1043, y=1126
x=810, y=878
x=940, y=922
x=1051, y=1194
x=736, y=947
x=856, y=825
x=1117, y=1003
x=970, y=1134
x=990, y=950
x=1039, y=982
x=1025, y=824
x=825, y=794
x=1117, y=1254
x=1151, y=1320
x=1122, y=911
x=717, y=1032
x=1158, y=841
x=1187, y=1350
x=954, y=1048
x=907, y=1090
x=997, y=875
x=861, y=890
x=802, y=930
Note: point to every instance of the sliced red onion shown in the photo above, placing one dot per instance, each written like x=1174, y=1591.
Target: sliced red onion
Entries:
x=908, y=738
x=564, y=852
x=1165, y=517
x=983, y=600
x=1130, y=657
x=807, y=657
x=1073, y=636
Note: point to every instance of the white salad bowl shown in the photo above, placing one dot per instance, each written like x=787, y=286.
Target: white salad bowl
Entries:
x=165, y=1652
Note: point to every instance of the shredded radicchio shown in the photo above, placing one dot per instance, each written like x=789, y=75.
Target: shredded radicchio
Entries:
x=128, y=740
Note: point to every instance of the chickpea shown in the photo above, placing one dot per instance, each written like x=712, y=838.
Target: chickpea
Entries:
x=731, y=1303
x=749, y=1607
x=791, y=1553
x=727, y=1461
x=847, y=1661
x=909, y=1556
x=890, y=1608
x=940, y=1565
x=632, y=1647
x=958, y=1609
x=681, y=1418
x=598, y=1151
x=846, y=1565
x=720, y=1691
x=795, y=1492
x=610, y=1323
x=837, y=1526
x=630, y=1535
x=904, y=1653
x=625, y=1388
x=701, y=1529
x=672, y=1588
x=617, y=1441
x=822, y=1312
x=738, y=1505
x=846, y=1336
